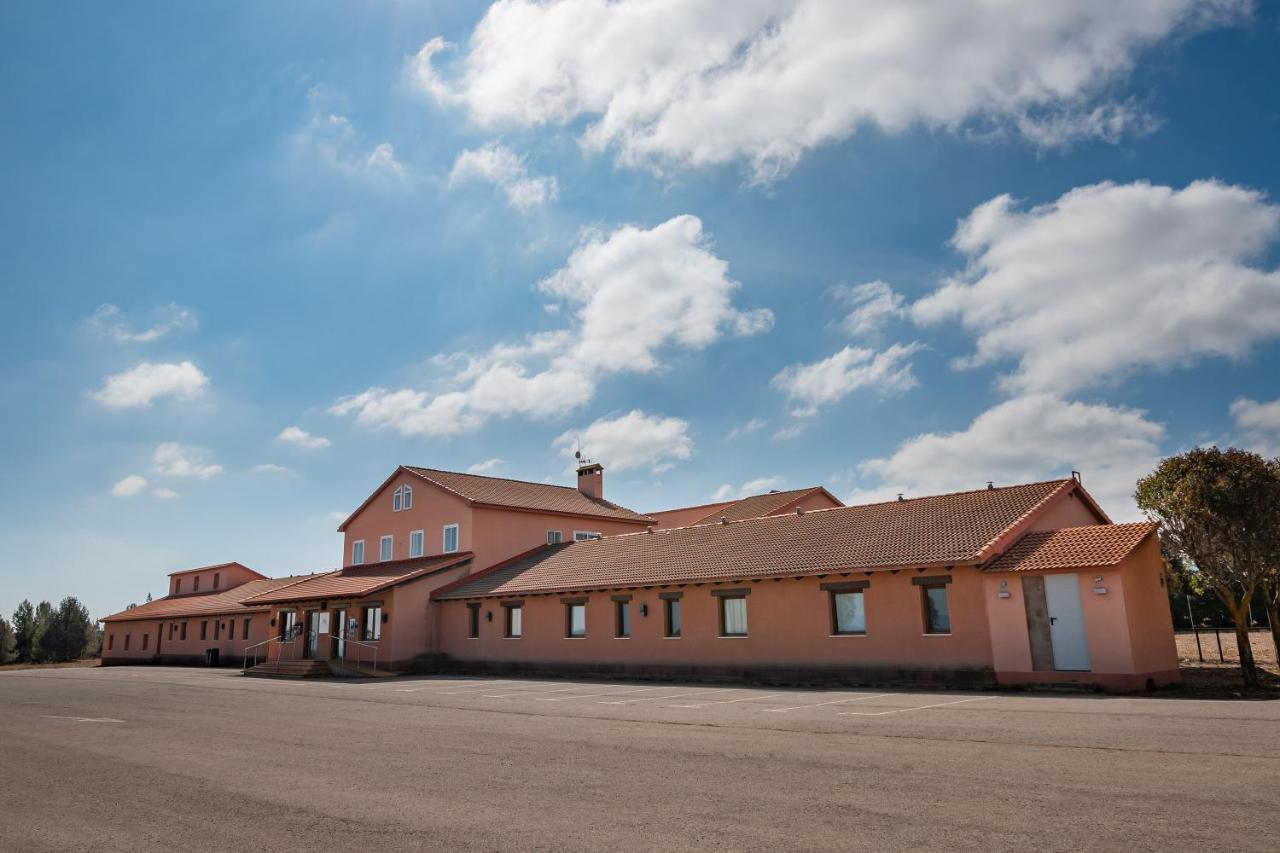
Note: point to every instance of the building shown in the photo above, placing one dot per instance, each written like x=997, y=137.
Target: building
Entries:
x=1021, y=584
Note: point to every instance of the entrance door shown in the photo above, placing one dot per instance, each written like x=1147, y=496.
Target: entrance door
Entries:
x=339, y=633
x=313, y=634
x=1066, y=622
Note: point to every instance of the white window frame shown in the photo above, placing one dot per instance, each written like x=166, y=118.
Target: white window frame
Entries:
x=585, y=535
x=555, y=537
x=386, y=544
x=422, y=542
x=402, y=499
x=354, y=561
x=444, y=538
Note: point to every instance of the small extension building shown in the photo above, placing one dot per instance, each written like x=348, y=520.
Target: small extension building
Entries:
x=1021, y=584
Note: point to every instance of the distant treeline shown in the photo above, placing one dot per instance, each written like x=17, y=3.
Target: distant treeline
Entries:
x=45, y=634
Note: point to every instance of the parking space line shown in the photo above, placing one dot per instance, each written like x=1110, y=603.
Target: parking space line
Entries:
x=731, y=701
x=458, y=685
x=670, y=696
x=533, y=692
x=820, y=704
x=917, y=708
x=595, y=695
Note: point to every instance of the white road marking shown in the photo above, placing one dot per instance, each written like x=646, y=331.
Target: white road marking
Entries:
x=595, y=695
x=820, y=704
x=731, y=701
x=669, y=696
x=532, y=692
x=82, y=719
x=458, y=685
x=917, y=708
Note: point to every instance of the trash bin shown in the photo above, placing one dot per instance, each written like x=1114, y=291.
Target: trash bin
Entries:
x=210, y=657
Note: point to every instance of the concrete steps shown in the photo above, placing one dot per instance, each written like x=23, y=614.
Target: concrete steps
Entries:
x=304, y=668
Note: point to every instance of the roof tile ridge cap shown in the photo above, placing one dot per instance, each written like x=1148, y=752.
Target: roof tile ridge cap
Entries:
x=417, y=468
x=294, y=582
x=799, y=495
x=502, y=564
x=982, y=556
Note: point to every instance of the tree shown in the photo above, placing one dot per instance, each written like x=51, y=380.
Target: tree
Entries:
x=40, y=653
x=69, y=631
x=8, y=644
x=1220, y=509
x=24, y=632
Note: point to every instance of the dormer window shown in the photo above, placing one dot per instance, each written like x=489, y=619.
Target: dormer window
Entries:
x=402, y=499
x=195, y=584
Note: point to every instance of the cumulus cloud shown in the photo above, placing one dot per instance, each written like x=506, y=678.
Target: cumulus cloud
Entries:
x=330, y=141
x=633, y=296
x=633, y=440
x=811, y=386
x=488, y=466
x=1021, y=440
x=499, y=165
x=751, y=427
x=301, y=438
x=1112, y=278
x=1260, y=424
x=870, y=305
x=758, y=486
x=179, y=460
x=139, y=386
x=701, y=82
x=164, y=494
x=270, y=468
x=109, y=321
x=129, y=486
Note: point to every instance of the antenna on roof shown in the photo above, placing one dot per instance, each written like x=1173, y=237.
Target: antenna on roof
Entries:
x=1075, y=475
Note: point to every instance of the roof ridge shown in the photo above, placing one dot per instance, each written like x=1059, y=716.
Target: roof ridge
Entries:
x=419, y=468
x=982, y=490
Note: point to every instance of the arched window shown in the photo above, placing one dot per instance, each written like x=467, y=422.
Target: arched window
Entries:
x=402, y=499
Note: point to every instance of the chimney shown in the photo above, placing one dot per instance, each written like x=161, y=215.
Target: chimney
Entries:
x=591, y=480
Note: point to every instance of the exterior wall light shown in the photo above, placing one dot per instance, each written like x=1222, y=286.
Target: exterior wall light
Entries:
x=488, y=616
x=644, y=610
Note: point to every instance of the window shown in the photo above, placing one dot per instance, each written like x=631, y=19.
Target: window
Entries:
x=111, y=641
x=177, y=586
x=357, y=552
x=937, y=614
x=733, y=612
x=671, y=614
x=513, y=627
x=386, y=545
x=126, y=642
x=402, y=499
x=204, y=629
x=373, y=621
x=217, y=579
x=575, y=617
x=288, y=619
x=145, y=638
x=172, y=627
x=182, y=632
x=473, y=620
x=245, y=630
x=848, y=610
x=195, y=584
x=415, y=543
x=580, y=535
x=622, y=616
x=231, y=628
x=554, y=537
x=450, y=538
x=217, y=629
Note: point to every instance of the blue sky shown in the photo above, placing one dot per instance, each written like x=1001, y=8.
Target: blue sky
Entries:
x=256, y=255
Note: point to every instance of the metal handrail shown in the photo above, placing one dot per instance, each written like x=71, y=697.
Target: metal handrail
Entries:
x=361, y=643
x=282, y=641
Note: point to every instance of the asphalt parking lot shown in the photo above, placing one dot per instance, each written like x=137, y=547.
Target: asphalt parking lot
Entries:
x=142, y=758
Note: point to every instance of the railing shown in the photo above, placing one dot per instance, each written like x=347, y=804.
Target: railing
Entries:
x=366, y=653
x=362, y=645
x=285, y=643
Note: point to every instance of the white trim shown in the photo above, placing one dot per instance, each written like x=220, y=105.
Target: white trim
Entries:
x=354, y=561
x=584, y=535
x=402, y=498
x=383, y=541
x=422, y=542
x=444, y=539
x=559, y=537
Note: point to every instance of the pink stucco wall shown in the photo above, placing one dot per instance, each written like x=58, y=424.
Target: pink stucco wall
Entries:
x=182, y=583
x=162, y=649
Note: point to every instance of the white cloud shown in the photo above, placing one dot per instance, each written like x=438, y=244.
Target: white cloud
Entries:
x=178, y=460
x=751, y=427
x=871, y=305
x=137, y=387
x=301, y=438
x=331, y=142
x=1112, y=278
x=502, y=167
x=270, y=468
x=1260, y=423
x=488, y=466
x=699, y=82
x=338, y=516
x=634, y=295
x=1026, y=439
x=634, y=440
x=129, y=486
x=164, y=494
x=383, y=159
x=810, y=386
x=751, y=487
x=109, y=321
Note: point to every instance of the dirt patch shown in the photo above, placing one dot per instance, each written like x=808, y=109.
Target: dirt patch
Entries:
x=64, y=665
x=1219, y=649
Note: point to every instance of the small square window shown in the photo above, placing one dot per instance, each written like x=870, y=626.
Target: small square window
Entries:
x=575, y=620
x=357, y=552
x=513, y=627
x=733, y=616
x=848, y=613
x=450, y=539
x=555, y=537
x=415, y=543
x=386, y=547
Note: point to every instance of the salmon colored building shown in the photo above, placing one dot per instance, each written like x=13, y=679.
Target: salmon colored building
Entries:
x=1026, y=584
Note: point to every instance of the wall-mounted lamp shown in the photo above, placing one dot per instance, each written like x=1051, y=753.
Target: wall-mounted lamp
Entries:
x=386, y=617
x=1097, y=578
x=488, y=616
x=644, y=610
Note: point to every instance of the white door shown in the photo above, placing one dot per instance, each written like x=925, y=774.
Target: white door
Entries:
x=1066, y=622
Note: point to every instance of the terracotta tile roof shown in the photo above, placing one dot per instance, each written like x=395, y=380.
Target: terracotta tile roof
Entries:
x=497, y=491
x=359, y=581
x=1073, y=547
x=940, y=530
x=757, y=506
x=205, y=603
